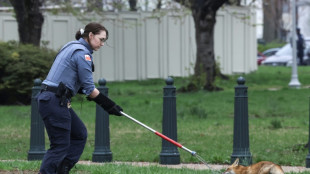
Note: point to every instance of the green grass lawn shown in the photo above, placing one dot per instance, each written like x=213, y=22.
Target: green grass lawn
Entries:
x=278, y=121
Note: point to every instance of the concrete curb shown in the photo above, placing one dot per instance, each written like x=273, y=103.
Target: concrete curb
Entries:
x=215, y=167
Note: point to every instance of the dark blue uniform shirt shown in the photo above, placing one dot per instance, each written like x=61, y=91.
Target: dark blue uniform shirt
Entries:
x=73, y=67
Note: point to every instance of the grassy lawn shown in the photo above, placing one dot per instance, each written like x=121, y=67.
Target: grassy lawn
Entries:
x=278, y=122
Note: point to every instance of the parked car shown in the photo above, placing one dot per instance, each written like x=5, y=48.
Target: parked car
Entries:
x=283, y=57
x=262, y=56
x=271, y=52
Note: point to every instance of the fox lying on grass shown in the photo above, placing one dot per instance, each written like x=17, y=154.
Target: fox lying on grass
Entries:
x=263, y=167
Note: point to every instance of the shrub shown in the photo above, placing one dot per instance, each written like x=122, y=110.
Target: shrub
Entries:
x=20, y=65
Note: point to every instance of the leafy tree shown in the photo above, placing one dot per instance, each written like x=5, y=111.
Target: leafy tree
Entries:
x=204, y=14
x=30, y=20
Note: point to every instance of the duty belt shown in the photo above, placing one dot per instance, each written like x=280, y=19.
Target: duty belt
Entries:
x=54, y=89
x=49, y=88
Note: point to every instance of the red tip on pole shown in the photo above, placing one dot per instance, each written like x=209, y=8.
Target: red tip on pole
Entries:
x=169, y=139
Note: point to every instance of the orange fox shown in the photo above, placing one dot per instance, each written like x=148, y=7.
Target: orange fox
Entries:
x=263, y=167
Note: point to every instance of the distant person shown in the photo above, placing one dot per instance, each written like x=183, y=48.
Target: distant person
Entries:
x=308, y=54
x=300, y=47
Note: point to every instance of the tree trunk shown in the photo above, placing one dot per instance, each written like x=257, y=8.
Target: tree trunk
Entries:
x=29, y=19
x=133, y=5
x=272, y=10
x=159, y=4
x=204, y=14
x=205, y=61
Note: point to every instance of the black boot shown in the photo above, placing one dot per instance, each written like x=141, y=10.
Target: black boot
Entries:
x=64, y=167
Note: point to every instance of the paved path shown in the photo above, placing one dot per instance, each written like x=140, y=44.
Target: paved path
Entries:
x=194, y=166
x=216, y=167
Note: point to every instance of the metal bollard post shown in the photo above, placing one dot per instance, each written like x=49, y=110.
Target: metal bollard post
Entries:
x=308, y=156
x=169, y=153
x=102, y=152
x=241, y=146
x=37, y=138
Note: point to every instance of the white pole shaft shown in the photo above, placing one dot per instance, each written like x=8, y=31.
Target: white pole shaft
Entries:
x=294, y=83
x=131, y=118
x=159, y=134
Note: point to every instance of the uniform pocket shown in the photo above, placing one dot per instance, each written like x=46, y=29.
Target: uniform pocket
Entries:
x=57, y=117
x=53, y=114
x=44, y=100
x=63, y=123
x=44, y=97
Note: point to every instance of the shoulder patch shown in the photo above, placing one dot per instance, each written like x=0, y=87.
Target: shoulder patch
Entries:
x=87, y=58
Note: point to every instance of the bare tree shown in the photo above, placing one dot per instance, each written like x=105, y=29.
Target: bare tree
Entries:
x=94, y=5
x=133, y=5
x=159, y=4
x=4, y=3
x=273, y=23
x=30, y=20
x=204, y=14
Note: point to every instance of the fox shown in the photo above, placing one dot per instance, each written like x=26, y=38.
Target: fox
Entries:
x=263, y=167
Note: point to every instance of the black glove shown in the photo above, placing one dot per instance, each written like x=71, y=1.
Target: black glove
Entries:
x=80, y=91
x=107, y=104
x=115, y=110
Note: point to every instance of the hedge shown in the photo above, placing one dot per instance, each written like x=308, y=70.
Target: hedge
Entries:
x=20, y=64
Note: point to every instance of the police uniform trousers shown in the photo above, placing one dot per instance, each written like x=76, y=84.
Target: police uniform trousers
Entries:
x=67, y=133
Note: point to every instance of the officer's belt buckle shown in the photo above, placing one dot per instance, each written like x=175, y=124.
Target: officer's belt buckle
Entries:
x=68, y=105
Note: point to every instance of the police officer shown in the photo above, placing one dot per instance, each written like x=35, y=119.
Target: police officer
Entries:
x=71, y=73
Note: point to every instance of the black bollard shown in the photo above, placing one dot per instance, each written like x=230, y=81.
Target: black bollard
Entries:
x=308, y=156
x=37, y=138
x=102, y=152
x=241, y=146
x=169, y=153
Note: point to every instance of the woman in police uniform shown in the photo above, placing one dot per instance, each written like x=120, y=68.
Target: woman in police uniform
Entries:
x=70, y=73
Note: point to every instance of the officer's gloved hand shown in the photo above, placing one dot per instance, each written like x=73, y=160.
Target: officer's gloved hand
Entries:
x=108, y=105
x=80, y=91
x=115, y=110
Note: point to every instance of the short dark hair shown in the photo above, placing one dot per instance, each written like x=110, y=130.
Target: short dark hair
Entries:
x=93, y=27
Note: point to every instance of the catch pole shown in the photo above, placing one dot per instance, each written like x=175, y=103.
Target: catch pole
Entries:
x=160, y=135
